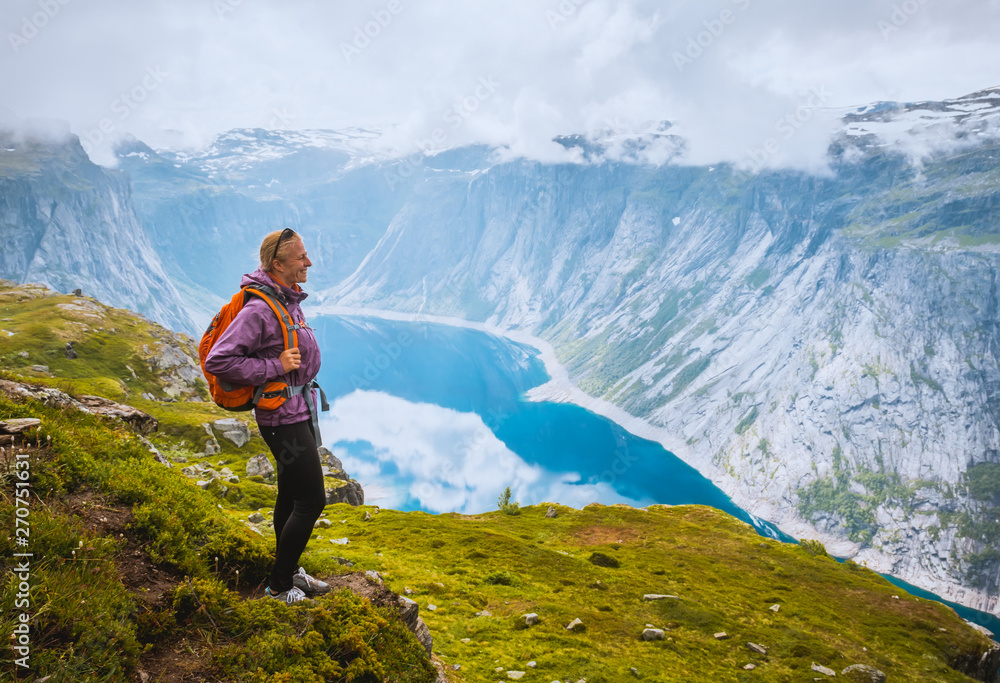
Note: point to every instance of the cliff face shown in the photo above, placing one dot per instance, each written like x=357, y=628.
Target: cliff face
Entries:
x=69, y=224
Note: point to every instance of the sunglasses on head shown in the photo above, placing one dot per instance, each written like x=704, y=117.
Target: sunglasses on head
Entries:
x=287, y=232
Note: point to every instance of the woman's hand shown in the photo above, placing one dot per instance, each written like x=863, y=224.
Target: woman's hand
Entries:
x=290, y=359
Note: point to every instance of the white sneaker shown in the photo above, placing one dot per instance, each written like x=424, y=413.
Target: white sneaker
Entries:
x=308, y=584
x=293, y=594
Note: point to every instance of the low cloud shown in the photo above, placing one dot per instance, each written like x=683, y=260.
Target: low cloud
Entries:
x=724, y=72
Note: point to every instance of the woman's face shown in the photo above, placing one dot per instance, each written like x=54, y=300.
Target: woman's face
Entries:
x=293, y=268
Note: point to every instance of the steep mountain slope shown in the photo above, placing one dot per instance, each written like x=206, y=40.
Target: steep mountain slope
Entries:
x=69, y=224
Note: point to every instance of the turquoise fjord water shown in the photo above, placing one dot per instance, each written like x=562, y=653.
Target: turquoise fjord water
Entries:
x=468, y=371
x=432, y=417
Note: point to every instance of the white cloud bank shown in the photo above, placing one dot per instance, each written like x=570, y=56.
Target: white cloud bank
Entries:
x=726, y=72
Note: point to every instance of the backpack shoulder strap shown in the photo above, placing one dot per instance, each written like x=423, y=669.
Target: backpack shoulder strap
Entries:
x=270, y=297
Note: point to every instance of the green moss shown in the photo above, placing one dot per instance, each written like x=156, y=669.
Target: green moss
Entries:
x=747, y=421
x=339, y=637
x=983, y=481
x=919, y=379
x=687, y=375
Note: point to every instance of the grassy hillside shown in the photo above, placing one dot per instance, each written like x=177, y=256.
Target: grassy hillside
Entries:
x=137, y=570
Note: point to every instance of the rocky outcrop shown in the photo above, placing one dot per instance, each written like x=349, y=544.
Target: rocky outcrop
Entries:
x=980, y=667
x=409, y=611
x=140, y=422
x=349, y=492
x=260, y=466
x=233, y=430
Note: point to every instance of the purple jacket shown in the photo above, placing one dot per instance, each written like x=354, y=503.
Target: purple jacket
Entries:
x=247, y=352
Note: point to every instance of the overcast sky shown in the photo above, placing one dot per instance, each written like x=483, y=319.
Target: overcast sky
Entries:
x=506, y=72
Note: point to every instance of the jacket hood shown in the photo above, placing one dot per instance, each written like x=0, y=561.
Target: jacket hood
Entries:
x=261, y=277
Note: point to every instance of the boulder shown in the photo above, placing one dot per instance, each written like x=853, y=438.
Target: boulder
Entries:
x=349, y=492
x=141, y=422
x=157, y=456
x=656, y=596
x=530, y=619
x=551, y=513
x=820, y=669
x=862, y=673
x=336, y=474
x=329, y=459
x=759, y=649
x=260, y=466
x=234, y=430
x=19, y=425
x=256, y=518
x=576, y=626
x=653, y=634
x=409, y=611
x=70, y=351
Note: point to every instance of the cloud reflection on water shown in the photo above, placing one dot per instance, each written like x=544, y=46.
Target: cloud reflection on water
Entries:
x=412, y=455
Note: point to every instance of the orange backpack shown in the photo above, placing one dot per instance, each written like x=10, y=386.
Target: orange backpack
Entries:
x=268, y=396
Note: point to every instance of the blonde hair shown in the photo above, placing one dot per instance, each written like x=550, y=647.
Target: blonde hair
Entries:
x=267, y=248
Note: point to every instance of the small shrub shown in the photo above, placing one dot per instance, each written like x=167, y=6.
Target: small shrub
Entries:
x=602, y=560
x=499, y=579
x=814, y=548
x=505, y=505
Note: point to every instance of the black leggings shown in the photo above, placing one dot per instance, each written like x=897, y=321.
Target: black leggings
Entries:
x=301, y=496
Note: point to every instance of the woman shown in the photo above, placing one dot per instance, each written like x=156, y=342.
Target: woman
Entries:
x=251, y=352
